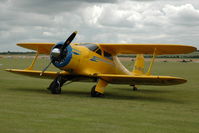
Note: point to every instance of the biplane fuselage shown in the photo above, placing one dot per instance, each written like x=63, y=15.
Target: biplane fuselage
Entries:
x=90, y=59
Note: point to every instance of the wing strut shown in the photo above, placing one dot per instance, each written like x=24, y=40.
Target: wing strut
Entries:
x=152, y=62
x=33, y=62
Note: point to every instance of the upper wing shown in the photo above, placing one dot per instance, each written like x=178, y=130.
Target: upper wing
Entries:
x=42, y=48
x=147, y=48
x=45, y=48
x=141, y=80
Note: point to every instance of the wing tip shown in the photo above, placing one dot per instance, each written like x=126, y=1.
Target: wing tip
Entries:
x=8, y=70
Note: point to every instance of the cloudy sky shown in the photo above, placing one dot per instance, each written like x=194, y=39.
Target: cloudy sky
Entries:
x=100, y=21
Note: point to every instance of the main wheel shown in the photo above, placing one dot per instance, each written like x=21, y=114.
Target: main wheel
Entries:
x=55, y=87
x=95, y=93
x=135, y=88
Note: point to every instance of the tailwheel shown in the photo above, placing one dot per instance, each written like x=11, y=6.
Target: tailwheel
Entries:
x=94, y=93
x=55, y=86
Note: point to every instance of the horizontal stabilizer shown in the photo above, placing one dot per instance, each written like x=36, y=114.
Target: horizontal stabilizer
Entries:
x=141, y=80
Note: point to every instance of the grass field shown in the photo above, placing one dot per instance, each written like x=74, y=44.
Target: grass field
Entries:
x=27, y=107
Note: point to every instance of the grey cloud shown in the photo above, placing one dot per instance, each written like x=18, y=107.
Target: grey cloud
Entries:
x=183, y=15
x=53, y=6
x=112, y=21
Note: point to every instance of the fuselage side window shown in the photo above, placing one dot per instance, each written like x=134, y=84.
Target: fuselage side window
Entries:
x=107, y=55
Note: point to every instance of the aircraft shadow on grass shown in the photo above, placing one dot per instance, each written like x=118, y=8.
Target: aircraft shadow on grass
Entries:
x=140, y=95
x=142, y=90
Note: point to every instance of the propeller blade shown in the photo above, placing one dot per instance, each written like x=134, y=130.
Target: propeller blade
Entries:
x=69, y=40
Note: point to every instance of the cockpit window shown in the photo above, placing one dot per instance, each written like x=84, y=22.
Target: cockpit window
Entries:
x=99, y=51
x=107, y=55
x=90, y=46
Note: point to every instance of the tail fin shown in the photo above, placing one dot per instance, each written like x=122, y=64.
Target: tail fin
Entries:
x=139, y=65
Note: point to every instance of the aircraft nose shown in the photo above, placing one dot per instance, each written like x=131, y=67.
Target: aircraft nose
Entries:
x=55, y=52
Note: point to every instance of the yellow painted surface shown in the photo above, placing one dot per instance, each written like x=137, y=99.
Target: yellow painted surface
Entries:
x=101, y=84
x=147, y=48
x=152, y=62
x=43, y=48
x=123, y=48
x=36, y=73
x=33, y=62
x=138, y=68
x=83, y=65
x=141, y=80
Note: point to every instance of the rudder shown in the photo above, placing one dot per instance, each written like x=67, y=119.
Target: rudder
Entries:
x=138, y=68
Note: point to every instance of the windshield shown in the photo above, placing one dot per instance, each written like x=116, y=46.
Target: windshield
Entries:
x=90, y=46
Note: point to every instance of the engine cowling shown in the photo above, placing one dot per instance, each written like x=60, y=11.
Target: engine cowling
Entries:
x=61, y=59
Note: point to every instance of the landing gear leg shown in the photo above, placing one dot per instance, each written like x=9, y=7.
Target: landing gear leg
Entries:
x=98, y=90
x=94, y=93
x=134, y=87
x=55, y=86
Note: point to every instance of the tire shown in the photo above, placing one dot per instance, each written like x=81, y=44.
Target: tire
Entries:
x=55, y=87
x=95, y=93
x=135, y=89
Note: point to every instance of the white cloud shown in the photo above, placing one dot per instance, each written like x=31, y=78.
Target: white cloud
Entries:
x=184, y=14
x=113, y=21
x=92, y=13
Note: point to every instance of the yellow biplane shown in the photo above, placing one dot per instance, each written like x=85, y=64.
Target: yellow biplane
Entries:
x=99, y=63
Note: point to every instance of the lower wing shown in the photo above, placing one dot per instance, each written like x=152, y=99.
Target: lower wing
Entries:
x=52, y=75
x=110, y=78
x=36, y=73
x=141, y=80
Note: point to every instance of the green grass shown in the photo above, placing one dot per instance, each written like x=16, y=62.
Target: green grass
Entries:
x=26, y=105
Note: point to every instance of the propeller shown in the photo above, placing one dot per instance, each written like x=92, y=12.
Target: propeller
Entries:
x=68, y=41
x=58, y=53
